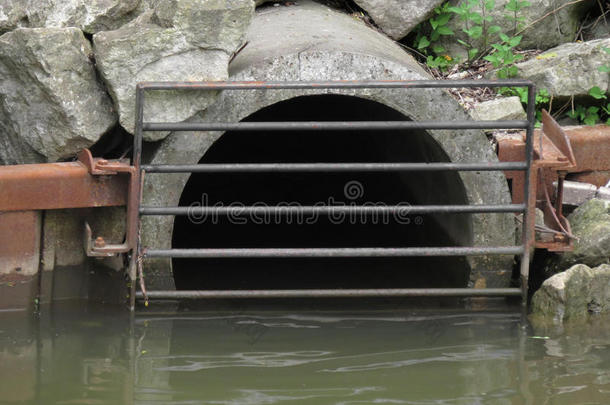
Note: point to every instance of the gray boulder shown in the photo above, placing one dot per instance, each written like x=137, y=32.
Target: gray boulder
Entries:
x=505, y=108
x=89, y=15
x=181, y=40
x=49, y=92
x=574, y=293
x=591, y=225
x=13, y=150
x=13, y=14
x=570, y=69
x=398, y=17
x=546, y=23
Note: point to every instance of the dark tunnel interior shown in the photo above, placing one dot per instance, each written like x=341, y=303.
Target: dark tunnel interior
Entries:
x=358, y=188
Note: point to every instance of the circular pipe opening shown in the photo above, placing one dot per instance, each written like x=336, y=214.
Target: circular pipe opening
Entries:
x=357, y=188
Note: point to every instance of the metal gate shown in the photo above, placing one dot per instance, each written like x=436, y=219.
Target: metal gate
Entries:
x=523, y=250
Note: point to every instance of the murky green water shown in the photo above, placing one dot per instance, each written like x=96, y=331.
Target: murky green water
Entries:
x=82, y=355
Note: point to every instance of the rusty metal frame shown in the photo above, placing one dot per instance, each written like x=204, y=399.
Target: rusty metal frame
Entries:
x=102, y=167
x=524, y=250
x=553, y=157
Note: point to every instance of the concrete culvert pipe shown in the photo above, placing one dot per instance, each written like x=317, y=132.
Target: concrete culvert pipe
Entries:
x=312, y=42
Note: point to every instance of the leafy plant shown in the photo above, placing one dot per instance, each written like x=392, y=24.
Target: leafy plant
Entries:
x=427, y=44
x=504, y=56
x=597, y=93
x=477, y=25
x=514, y=7
x=586, y=115
x=480, y=30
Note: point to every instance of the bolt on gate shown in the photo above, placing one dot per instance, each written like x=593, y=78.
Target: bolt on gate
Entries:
x=524, y=250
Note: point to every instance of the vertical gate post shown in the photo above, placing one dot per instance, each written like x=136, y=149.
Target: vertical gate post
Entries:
x=134, y=261
x=529, y=195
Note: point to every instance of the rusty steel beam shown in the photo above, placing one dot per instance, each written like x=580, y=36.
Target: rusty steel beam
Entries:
x=590, y=147
x=59, y=185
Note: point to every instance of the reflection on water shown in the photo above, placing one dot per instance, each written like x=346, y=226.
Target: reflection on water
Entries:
x=77, y=354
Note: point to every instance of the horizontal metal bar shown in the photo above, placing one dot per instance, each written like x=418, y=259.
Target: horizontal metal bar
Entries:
x=333, y=252
x=331, y=125
x=344, y=84
x=330, y=167
x=328, y=210
x=333, y=293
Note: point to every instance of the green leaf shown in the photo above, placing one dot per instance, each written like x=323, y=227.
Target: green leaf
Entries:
x=592, y=110
x=590, y=120
x=607, y=50
x=493, y=59
x=475, y=18
x=490, y=4
x=512, y=5
x=494, y=29
x=604, y=69
x=444, y=31
x=503, y=73
x=438, y=49
x=514, y=41
x=542, y=97
x=597, y=93
x=431, y=62
x=457, y=10
x=423, y=43
x=443, y=19
x=475, y=32
x=472, y=53
x=504, y=37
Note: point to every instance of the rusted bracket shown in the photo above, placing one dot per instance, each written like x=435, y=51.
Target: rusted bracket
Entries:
x=102, y=167
x=553, y=158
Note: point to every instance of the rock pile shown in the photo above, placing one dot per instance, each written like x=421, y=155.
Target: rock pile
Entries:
x=59, y=93
x=50, y=95
x=570, y=69
x=181, y=40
